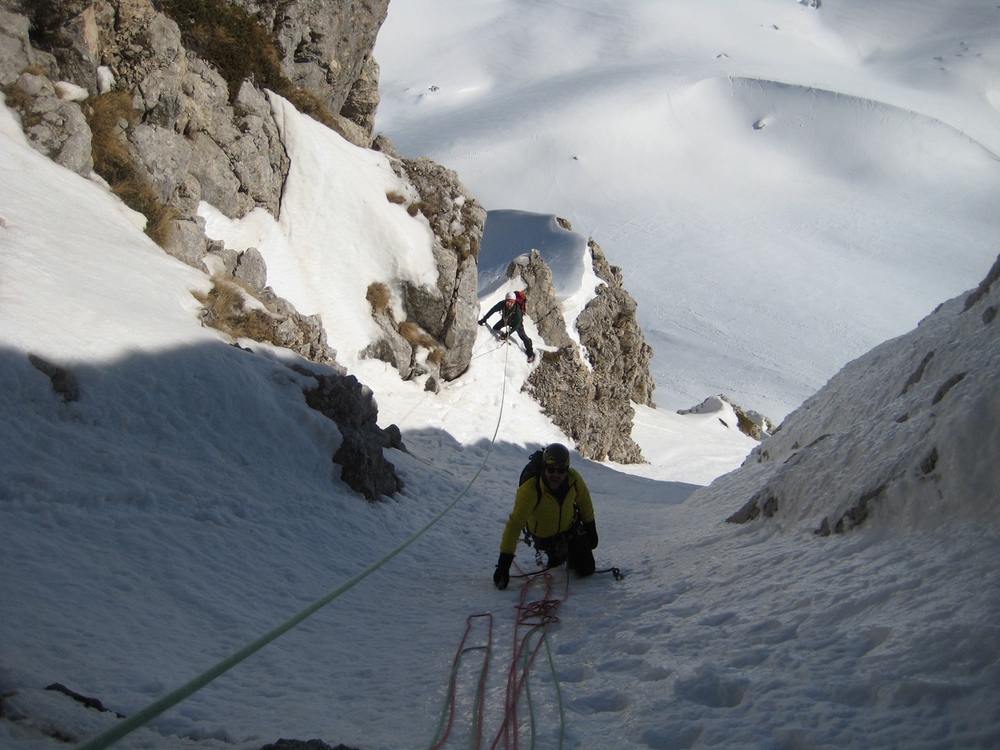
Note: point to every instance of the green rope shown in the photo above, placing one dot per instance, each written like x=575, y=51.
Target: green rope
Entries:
x=559, y=700
x=127, y=726
x=452, y=695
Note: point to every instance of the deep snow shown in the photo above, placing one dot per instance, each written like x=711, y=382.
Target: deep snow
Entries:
x=186, y=503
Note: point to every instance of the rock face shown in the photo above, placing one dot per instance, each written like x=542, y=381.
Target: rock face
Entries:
x=608, y=328
x=750, y=423
x=439, y=331
x=352, y=406
x=195, y=136
x=194, y=125
x=52, y=120
x=457, y=221
x=326, y=48
x=199, y=136
x=592, y=405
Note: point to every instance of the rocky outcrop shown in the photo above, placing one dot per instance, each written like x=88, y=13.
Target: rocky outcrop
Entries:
x=52, y=120
x=436, y=336
x=750, y=423
x=352, y=406
x=457, y=221
x=189, y=135
x=64, y=382
x=593, y=405
x=326, y=48
x=196, y=135
x=610, y=333
x=303, y=745
x=17, y=53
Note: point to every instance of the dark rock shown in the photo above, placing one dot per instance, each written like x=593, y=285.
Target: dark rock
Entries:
x=63, y=381
x=303, y=745
x=352, y=406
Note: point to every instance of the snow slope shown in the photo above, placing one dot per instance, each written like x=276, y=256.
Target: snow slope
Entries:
x=786, y=186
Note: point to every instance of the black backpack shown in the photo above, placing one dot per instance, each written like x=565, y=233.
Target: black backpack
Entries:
x=533, y=469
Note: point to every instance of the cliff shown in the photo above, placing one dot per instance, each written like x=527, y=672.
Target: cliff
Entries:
x=169, y=104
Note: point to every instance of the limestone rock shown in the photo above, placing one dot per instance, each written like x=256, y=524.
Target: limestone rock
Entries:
x=591, y=405
x=17, y=52
x=324, y=46
x=456, y=219
x=352, y=406
x=64, y=382
x=363, y=98
x=610, y=331
x=54, y=126
x=166, y=157
x=251, y=269
x=186, y=241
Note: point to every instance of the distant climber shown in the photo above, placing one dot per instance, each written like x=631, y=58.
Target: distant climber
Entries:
x=554, y=505
x=512, y=318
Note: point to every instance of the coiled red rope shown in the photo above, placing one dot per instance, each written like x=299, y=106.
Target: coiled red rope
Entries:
x=534, y=619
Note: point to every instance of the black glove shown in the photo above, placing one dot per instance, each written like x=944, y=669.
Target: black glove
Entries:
x=501, y=576
x=590, y=529
x=482, y=321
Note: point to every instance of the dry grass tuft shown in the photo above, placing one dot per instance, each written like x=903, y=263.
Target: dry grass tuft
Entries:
x=22, y=102
x=110, y=115
x=224, y=308
x=306, y=102
x=416, y=336
x=394, y=196
x=379, y=297
x=160, y=223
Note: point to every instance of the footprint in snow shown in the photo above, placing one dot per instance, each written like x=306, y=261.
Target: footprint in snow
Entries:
x=607, y=701
x=656, y=674
x=709, y=688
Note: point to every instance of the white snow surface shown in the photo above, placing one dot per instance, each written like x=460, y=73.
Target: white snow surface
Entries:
x=785, y=186
x=185, y=504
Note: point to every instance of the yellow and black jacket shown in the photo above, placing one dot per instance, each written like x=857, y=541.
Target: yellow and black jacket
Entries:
x=543, y=513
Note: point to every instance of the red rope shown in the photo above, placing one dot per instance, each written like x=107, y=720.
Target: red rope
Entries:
x=537, y=616
x=533, y=617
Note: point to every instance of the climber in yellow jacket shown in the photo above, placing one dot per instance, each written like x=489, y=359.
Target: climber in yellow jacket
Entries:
x=555, y=506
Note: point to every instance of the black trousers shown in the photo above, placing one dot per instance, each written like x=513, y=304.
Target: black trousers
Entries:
x=570, y=548
x=528, y=347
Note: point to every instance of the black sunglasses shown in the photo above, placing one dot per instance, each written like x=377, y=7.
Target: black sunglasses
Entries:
x=555, y=469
